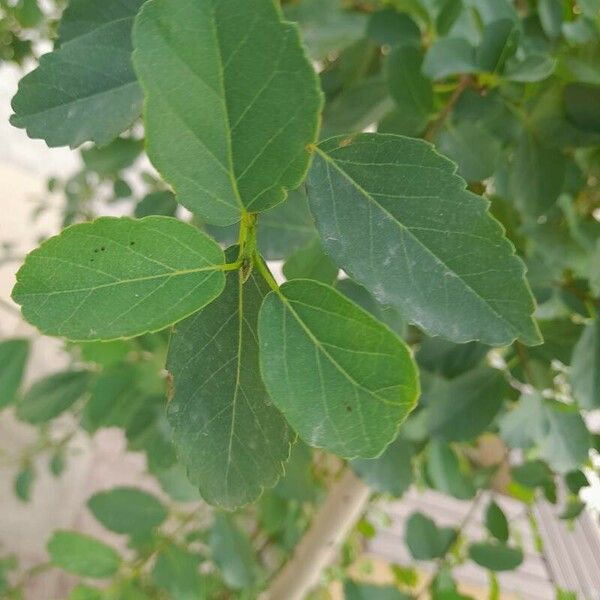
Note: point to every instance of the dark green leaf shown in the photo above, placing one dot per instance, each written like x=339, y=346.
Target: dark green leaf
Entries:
x=412, y=234
x=82, y=555
x=231, y=439
x=450, y=11
x=448, y=359
x=311, y=263
x=86, y=89
x=498, y=44
x=496, y=522
x=13, y=358
x=461, y=409
x=23, y=483
x=444, y=472
x=51, y=396
x=496, y=556
x=391, y=473
x=388, y=27
x=113, y=278
x=532, y=474
x=425, y=539
x=449, y=56
x=582, y=105
x=576, y=480
x=156, y=203
x=551, y=16
x=315, y=344
x=244, y=121
x=127, y=510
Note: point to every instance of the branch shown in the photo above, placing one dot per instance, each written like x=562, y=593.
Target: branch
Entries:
x=463, y=84
x=318, y=548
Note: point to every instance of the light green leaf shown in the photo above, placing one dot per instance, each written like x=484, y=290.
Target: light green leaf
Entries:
x=496, y=556
x=23, y=482
x=496, y=522
x=247, y=112
x=231, y=439
x=533, y=67
x=311, y=262
x=82, y=555
x=84, y=592
x=176, y=571
x=127, y=510
x=425, y=539
x=13, y=359
x=461, y=409
x=412, y=91
x=320, y=350
x=585, y=367
x=114, y=278
x=392, y=472
x=444, y=472
x=112, y=159
x=233, y=554
x=51, y=396
x=567, y=444
x=449, y=56
x=86, y=89
x=394, y=215
x=364, y=591
x=582, y=106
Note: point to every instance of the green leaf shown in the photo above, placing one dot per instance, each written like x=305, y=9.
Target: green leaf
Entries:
x=118, y=277
x=582, y=103
x=474, y=149
x=498, y=44
x=532, y=68
x=82, y=555
x=450, y=11
x=526, y=423
x=176, y=571
x=462, y=408
x=576, y=480
x=438, y=355
x=392, y=472
x=311, y=262
x=127, y=510
x=412, y=91
x=105, y=353
x=389, y=27
x=51, y=396
x=537, y=175
x=496, y=522
x=231, y=439
x=13, y=359
x=365, y=591
x=532, y=474
x=23, y=482
x=449, y=56
x=246, y=114
x=114, y=158
x=551, y=16
x=326, y=25
x=567, y=444
x=86, y=89
x=425, y=539
x=444, y=472
x=585, y=367
x=156, y=203
x=233, y=554
x=320, y=350
x=84, y=592
x=496, y=556
x=411, y=234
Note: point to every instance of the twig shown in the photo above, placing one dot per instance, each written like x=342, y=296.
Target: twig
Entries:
x=464, y=83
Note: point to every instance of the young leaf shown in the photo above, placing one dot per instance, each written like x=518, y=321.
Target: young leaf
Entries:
x=127, y=510
x=412, y=234
x=82, y=555
x=342, y=379
x=585, y=367
x=231, y=439
x=496, y=523
x=86, y=89
x=247, y=111
x=51, y=396
x=425, y=539
x=113, y=278
x=390, y=473
x=13, y=358
x=496, y=556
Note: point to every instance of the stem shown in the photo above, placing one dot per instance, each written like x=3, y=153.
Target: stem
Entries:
x=337, y=516
x=464, y=83
x=264, y=271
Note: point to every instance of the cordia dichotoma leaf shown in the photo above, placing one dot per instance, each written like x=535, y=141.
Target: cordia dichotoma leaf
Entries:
x=343, y=380
x=119, y=277
x=394, y=215
x=231, y=439
x=86, y=89
x=231, y=103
